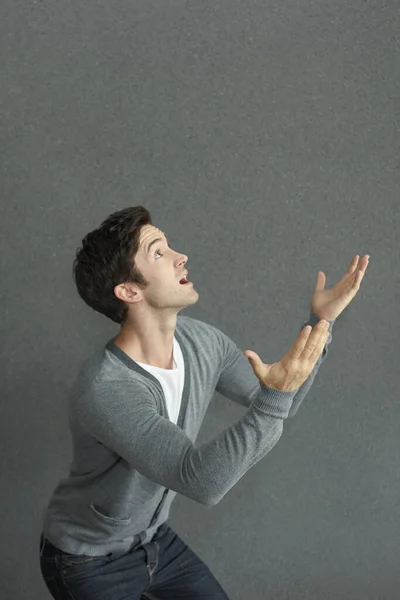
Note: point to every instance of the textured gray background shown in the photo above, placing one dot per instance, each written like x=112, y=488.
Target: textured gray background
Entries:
x=264, y=140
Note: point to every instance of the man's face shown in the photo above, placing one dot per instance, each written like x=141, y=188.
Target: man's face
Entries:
x=163, y=268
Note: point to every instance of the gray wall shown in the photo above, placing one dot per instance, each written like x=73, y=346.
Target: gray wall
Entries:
x=264, y=140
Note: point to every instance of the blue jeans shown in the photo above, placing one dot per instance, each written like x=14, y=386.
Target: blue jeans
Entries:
x=165, y=568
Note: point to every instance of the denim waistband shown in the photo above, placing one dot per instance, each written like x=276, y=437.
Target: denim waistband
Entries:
x=47, y=548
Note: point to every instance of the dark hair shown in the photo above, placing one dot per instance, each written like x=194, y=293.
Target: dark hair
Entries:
x=107, y=258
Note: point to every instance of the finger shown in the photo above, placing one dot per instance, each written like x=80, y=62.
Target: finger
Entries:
x=353, y=264
x=352, y=280
x=356, y=263
x=306, y=336
x=314, y=342
x=357, y=280
x=362, y=270
x=319, y=347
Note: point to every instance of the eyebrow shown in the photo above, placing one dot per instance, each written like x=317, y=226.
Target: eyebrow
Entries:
x=154, y=242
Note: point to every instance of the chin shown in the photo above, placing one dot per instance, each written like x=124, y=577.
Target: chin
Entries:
x=194, y=298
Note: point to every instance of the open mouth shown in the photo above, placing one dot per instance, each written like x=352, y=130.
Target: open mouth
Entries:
x=184, y=281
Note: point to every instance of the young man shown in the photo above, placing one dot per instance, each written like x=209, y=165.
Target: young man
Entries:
x=135, y=411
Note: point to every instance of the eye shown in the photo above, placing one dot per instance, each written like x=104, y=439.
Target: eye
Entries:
x=158, y=252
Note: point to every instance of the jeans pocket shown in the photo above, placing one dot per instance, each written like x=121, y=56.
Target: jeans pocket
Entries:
x=74, y=566
x=72, y=560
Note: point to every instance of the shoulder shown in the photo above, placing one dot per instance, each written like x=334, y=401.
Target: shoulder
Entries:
x=188, y=326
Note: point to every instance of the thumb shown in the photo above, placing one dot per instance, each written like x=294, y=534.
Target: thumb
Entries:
x=260, y=370
x=252, y=356
x=321, y=281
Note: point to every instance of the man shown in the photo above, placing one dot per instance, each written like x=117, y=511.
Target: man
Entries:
x=135, y=411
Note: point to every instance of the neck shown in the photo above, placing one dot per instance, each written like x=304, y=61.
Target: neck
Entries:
x=151, y=342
